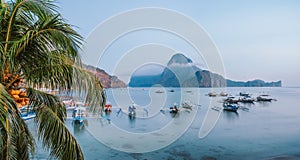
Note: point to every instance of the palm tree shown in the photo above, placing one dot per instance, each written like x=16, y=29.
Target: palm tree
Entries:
x=37, y=49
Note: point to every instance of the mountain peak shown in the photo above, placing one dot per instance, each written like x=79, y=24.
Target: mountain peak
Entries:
x=181, y=72
x=180, y=59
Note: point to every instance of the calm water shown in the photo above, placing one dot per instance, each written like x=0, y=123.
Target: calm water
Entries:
x=268, y=130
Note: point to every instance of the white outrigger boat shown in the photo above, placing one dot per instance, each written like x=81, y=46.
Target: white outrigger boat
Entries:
x=131, y=111
x=264, y=97
x=79, y=115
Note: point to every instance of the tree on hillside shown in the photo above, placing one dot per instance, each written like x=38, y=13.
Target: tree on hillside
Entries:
x=39, y=49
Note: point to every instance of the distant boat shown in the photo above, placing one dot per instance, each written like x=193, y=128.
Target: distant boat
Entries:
x=247, y=99
x=107, y=107
x=172, y=90
x=68, y=101
x=79, y=115
x=223, y=94
x=70, y=108
x=264, y=97
x=212, y=94
x=159, y=91
x=174, y=109
x=231, y=99
x=73, y=105
x=131, y=111
x=244, y=94
x=230, y=106
x=70, y=104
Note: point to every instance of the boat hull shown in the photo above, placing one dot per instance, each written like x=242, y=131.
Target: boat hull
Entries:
x=264, y=99
x=79, y=120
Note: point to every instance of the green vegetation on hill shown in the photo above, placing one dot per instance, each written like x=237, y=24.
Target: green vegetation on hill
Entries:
x=180, y=72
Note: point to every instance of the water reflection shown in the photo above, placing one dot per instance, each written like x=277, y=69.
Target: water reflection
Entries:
x=230, y=116
x=105, y=118
x=264, y=103
x=174, y=114
x=244, y=108
x=107, y=112
x=132, y=120
x=78, y=128
x=248, y=105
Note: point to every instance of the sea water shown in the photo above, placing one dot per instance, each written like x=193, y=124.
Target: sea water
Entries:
x=262, y=130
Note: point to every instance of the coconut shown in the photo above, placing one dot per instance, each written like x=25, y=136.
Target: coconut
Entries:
x=17, y=92
x=16, y=97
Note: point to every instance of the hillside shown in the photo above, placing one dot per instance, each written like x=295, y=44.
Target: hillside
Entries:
x=180, y=72
x=107, y=80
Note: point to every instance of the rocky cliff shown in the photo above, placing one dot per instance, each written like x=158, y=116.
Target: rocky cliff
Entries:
x=107, y=80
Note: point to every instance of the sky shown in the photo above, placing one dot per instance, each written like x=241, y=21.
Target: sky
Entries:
x=254, y=39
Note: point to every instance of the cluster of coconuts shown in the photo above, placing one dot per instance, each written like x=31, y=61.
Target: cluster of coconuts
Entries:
x=15, y=83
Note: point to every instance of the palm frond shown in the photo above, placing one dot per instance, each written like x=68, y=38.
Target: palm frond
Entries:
x=22, y=140
x=39, y=98
x=6, y=104
x=60, y=72
x=41, y=37
x=55, y=135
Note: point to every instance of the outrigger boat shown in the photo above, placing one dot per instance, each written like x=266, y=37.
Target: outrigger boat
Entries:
x=79, y=115
x=174, y=109
x=131, y=111
x=264, y=97
x=247, y=99
x=159, y=91
x=244, y=94
x=231, y=99
x=107, y=107
x=212, y=94
x=230, y=106
x=223, y=94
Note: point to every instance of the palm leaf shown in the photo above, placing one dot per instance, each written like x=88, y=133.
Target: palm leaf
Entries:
x=39, y=98
x=55, y=135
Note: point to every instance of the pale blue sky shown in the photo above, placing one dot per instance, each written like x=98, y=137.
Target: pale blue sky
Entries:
x=256, y=39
